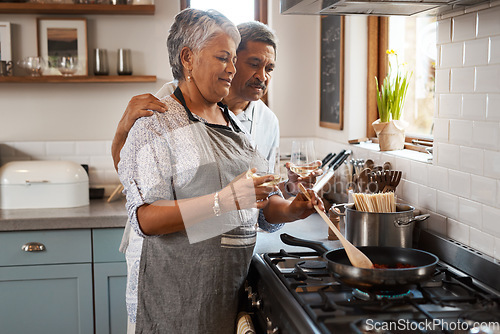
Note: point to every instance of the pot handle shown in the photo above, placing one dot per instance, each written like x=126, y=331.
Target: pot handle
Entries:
x=294, y=241
x=335, y=209
x=420, y=218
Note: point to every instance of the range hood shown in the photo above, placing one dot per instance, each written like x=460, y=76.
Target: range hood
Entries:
x=373, y=7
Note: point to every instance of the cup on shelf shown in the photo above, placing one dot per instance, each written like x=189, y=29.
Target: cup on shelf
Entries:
x=67, y=65
x=101, y=62
x=33, y=66
x=124, y=62
x=5, y=68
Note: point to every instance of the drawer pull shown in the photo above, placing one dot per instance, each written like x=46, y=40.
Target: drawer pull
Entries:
x=33, y=247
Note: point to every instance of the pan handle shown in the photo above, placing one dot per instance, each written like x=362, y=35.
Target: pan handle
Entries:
x=294, y=241
x=420, y=218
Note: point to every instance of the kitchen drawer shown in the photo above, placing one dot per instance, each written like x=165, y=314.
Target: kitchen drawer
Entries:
x=61, y=246
x=106, y=244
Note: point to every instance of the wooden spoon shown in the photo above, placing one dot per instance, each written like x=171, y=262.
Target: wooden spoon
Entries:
x=357, y=258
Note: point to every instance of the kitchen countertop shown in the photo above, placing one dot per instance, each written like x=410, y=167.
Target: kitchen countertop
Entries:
x=101, y=214
x=311, y=228
x=98, y=214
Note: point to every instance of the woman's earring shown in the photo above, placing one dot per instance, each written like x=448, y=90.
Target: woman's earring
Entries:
x=189, y=77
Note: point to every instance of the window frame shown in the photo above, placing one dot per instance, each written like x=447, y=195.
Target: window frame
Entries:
x=260, y=13
x=378, y=64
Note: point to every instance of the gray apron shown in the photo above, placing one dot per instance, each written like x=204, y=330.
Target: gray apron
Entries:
x=193, y=287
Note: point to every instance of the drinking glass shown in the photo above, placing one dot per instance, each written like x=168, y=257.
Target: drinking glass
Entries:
x=303, y=158
x=67, y=65
x=272, y=167
x=33, y=66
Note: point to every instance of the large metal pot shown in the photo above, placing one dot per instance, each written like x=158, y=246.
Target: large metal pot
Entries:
x=394, y=229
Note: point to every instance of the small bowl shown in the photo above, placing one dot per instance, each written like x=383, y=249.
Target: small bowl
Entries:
x=33, y=66
x=67, y=65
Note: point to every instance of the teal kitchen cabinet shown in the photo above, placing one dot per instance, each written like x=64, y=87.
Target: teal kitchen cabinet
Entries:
x=110, y=281
x=62, y=281
x=46, y=282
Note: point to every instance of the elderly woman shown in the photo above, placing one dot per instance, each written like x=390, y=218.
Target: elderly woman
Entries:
x=188, y=195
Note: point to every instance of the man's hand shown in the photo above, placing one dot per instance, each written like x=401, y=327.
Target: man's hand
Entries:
x=301, y=207
x=139, y=106
x=291, y=187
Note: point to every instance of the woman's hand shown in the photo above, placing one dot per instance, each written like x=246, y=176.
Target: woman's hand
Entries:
x=246, y=191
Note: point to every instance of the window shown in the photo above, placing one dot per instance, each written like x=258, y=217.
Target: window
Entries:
x=414, y=40
x=237, y=11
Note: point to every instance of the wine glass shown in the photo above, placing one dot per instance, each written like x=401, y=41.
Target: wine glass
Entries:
x=303, y=158
x=67, y=65
x=272, y=167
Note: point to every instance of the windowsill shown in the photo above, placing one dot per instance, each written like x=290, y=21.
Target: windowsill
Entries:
x=408, y=154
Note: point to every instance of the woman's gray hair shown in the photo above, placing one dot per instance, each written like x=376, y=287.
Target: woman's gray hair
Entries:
x=193, y=28
x=254, y=31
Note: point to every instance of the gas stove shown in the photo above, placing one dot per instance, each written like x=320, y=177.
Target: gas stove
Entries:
x=294, y=292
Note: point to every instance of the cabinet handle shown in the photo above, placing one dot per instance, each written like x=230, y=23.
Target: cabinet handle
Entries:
x=33, y=247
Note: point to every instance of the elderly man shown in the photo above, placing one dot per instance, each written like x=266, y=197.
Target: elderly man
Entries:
x=256, y=61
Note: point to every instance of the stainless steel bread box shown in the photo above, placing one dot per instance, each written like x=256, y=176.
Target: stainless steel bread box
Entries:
x=43, y=184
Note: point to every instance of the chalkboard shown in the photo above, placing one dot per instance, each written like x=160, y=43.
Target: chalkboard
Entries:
x=332, y=72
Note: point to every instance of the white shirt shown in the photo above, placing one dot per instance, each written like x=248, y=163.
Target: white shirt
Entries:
x=262, y=125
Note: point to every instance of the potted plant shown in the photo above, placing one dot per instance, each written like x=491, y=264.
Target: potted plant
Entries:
x=390, y=101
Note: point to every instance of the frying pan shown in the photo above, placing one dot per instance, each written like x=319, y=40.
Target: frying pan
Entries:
x=374, y=280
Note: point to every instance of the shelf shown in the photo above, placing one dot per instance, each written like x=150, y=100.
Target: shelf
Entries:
x=80, y=79
x=41, y=8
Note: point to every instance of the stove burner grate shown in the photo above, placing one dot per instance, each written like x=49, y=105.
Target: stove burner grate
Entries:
x=380, y=295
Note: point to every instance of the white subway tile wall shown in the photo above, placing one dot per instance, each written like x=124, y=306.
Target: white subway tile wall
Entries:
x=465, y=174
x=473, y=183
x=461, y=187
x=95, y=154
x=474, y=106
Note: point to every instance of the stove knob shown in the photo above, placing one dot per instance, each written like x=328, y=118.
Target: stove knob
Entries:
x=256, y=303
x=270, y=327
x=248, y=290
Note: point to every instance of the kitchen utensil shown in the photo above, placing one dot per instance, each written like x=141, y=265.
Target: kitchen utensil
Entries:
x=330, y=169
x=357, y=258
x=116, y=193
x=387, y=165
x=393, y=279
x=5, y=68
x=101, y=62
x=369, y=164
x=381, y=179
x=363, y=180
x=392, y=180
x=379, y=229
x=124, y=62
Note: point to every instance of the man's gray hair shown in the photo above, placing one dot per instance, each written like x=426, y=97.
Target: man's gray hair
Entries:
x=193, y=28
x=254, y=31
